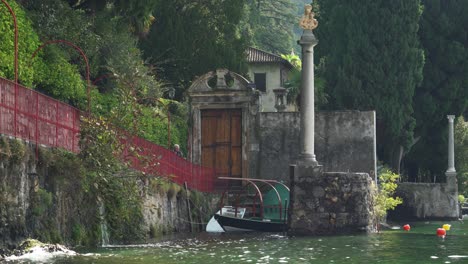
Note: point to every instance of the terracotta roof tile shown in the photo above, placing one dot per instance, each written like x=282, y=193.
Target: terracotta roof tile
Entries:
x=260, y=56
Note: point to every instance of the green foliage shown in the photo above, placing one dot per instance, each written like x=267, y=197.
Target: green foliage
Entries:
x=165, y=186
x=293, y=84
x=136, y=13
x=270, y=24
x=372, y=60
x=61, y=80
x=108, y=179
x=461, y=154
x=294, y=59
x=56, y=20
x=99, y=145
x=59, y=184
x=104, y=36
x=17, y=150
x=42, y=202
x=153, y=232
x=29, y=243
x=136, y=87
x=48, y=232
x=53, y=75
x=28, y=41
x=189, y=38
x=7, y=151
x=45, y=228
x=123, y=207
x=444, y=90
x=461, y=198
x=384, y=200
x=79, y=235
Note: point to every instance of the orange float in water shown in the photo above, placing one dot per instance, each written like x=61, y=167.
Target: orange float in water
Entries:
x=441, y=232
x=406, y=227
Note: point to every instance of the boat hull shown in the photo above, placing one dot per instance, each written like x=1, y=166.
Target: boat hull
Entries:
x=245, y=224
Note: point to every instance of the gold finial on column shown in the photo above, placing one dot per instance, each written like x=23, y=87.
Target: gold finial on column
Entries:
x=308, y=21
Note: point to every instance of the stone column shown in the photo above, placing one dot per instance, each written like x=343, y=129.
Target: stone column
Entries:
x=322, y=203
x=451, y=151
x=451, y=173
x=307, y=42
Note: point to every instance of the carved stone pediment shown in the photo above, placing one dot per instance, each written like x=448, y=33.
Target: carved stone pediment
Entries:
x=219, y=80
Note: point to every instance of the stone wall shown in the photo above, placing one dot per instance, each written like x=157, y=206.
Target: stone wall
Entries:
x=166, y=212
x=330, y=203
x=345, y=141
x=15, y=198
x=423, y=201
x=43, y=198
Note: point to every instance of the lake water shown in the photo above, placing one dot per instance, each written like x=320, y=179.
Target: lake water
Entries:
x=419, y=245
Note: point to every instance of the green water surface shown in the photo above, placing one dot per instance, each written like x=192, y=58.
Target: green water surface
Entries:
x=419, y=245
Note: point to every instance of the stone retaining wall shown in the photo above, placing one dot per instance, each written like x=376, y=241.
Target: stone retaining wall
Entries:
x=40, y=198
x=344, y=141
x=422, y=201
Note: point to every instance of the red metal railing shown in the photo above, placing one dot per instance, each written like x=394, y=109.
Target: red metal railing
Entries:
x=153, y=159
x=52, y=123
x=38, y=118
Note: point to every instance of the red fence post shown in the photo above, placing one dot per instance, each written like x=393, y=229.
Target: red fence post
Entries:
x=73, y=131
x=37, y=126
x=56, y=123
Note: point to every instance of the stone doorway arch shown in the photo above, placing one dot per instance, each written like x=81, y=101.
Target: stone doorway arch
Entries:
x=223, y=114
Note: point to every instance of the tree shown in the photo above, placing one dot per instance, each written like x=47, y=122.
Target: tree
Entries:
x=136, y=13
x=190, y=38
x=49, y=72
x=135, y=87
x=105, y=36
x=444, y=90
x=28, y=41
x=461, y=154
x=373, y=61
x=270, y=24
x=384, y=195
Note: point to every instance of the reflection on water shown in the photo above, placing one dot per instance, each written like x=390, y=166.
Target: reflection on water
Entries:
x=420, y=245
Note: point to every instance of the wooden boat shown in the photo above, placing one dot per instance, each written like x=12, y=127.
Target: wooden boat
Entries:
x=251, y=205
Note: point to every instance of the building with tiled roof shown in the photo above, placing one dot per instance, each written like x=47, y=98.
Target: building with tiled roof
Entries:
x=268, y=71
x=259, y=56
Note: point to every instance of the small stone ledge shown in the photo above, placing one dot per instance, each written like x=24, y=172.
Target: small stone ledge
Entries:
x=426, y=201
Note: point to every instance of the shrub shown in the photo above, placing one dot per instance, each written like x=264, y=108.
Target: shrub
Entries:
x=384, y=199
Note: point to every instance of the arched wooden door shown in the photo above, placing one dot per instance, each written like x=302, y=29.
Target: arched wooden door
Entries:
x=221, y=141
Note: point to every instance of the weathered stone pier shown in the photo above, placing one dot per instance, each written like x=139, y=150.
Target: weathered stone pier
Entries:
x=323, y=203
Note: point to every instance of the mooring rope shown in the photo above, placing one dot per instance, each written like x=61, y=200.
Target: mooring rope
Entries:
x=186, y=221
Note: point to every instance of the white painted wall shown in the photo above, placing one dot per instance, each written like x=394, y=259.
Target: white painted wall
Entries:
x=273, y=81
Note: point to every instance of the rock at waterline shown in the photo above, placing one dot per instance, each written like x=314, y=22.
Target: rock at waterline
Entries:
x=34, y=250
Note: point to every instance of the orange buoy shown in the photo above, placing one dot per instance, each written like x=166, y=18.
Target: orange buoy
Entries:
x=406, y=227
x=441, y=232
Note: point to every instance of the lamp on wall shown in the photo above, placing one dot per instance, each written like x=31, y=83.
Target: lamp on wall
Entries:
x=252, y=86
x=279, y=99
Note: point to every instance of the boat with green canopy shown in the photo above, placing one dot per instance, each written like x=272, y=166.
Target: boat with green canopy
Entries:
x=251, y=205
